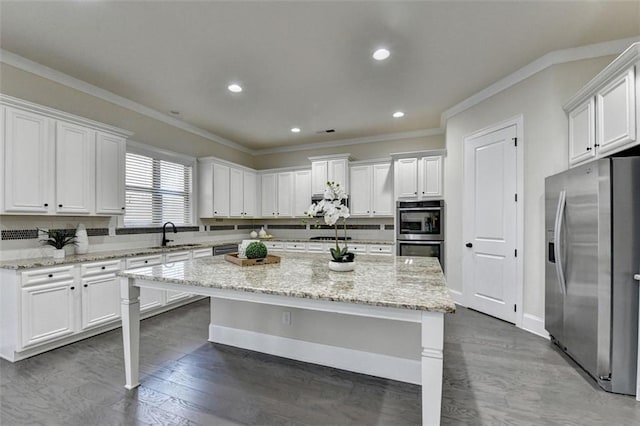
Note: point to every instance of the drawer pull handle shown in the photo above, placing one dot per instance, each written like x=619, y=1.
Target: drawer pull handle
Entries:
x=50, y=275
x=59, y=205
x=46, y=204
x=146, y=261
x=72, y=288
x=103, y=267
x=86, y=285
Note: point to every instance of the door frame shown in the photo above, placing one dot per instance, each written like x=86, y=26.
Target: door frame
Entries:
x=518, y=122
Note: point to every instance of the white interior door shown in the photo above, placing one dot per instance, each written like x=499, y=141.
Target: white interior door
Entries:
x=490, y=226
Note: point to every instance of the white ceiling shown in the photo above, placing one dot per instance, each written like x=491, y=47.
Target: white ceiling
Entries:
x=304, y=64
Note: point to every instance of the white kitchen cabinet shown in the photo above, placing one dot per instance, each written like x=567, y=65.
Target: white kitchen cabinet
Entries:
x=47, y=311
x=220, y=190
x=150, y=298
x=406, y=178
x=301, y=192
x=418, y=177
x=110, y=173
x=603, y=116
x=50, y=165
x=28, y=161
x=277, y=194
x=372, y=193
x=242, y=193
x=329, y=169
x=75, y=163
x=169, y=258
x=100, y=300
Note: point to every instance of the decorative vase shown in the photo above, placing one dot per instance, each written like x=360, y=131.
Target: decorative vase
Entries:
x=342, y=266
x=58, y=253
x=82, y=240
x=253, y=234
x=262, y=232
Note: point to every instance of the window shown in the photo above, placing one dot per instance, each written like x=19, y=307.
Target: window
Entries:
x=157, y=191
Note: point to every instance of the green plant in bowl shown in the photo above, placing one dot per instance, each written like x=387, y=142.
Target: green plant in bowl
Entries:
x=256, y=250
x=58, y=238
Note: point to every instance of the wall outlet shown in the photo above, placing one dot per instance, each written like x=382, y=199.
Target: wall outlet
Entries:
x=286, y=317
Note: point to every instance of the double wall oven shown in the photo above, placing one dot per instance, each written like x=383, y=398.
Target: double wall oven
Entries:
x=420, y=229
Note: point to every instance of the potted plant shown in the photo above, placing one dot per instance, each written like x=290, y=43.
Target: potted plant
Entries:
x=333, y=209
x=58, y=239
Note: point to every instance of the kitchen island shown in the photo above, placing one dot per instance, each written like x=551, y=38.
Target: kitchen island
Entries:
x=396, y=289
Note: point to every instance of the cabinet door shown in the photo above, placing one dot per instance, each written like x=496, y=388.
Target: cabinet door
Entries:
x=268, y=195
x=27, y=150
x=205, y=189
x=431, y=177
x=360, y=197
x=151, y=298
x=582, y=132
x=47, y=312
x=75, y=162
x=319, y=176
x=249, y=194
x=236, y=193
x=301, y=192
x=100, y=300
x=174, y=296
x=338, y=173
x=406, y=178
x=220, y=190
x=616, y=115
x=110, y=173
x=381, y=190
x=285, y=195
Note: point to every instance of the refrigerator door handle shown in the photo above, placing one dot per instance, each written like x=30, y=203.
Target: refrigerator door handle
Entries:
x=636, y=277
x=556, y=240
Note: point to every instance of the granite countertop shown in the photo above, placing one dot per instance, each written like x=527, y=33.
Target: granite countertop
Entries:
x=36, y=262
x=415, y=283
x=308, y=240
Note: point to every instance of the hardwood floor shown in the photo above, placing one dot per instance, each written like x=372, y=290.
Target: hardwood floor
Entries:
x=494, y=374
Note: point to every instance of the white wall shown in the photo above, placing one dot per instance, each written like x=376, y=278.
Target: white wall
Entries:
x=539, y=99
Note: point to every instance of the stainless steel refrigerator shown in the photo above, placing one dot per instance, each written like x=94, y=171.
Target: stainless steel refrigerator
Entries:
x=592, y=217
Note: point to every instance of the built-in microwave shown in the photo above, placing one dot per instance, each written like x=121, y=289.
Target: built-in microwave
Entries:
x=420, y=220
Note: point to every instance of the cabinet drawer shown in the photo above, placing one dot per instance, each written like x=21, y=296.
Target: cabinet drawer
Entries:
x=272, y=245
x=137, y=262
x=356, y=248
x=177, y=257
x=294, y=246
x=42, y=276
x=316, y=247
x=205, y=252
x=88, y=269
x=381, y=249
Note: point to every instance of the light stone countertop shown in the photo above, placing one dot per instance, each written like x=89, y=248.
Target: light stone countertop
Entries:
x=415, y=283
x=38, y=262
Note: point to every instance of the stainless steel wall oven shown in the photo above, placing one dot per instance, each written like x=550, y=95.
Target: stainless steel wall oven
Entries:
x=420, y=229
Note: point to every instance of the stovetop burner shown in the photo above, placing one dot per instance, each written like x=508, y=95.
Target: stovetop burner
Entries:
x=329, y=238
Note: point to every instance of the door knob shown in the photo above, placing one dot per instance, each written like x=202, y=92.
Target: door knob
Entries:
x=469, y=245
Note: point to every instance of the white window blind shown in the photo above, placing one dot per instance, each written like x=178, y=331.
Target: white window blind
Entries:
x=157, y=191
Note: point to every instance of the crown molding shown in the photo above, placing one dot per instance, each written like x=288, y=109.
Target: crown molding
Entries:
x=552, y=58
x=354, y=141
x=40, y=70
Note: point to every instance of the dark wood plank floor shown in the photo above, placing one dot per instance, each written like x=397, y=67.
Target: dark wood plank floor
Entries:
x=494, y=374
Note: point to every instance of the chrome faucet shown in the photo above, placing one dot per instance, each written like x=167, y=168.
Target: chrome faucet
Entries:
x=164, y=233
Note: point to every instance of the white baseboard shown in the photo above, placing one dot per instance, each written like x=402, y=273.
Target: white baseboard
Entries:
x=535, y=325
x=456, y=296
x=389, y=367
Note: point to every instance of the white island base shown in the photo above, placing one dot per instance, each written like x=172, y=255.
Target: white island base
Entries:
x=426, y=372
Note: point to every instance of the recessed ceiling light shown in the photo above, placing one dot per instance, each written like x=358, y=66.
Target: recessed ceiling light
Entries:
x=235, y=88
x=381, y=54
x=398, y=114
x=295, y=129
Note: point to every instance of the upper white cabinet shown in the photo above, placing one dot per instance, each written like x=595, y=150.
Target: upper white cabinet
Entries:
x=110, y=173
x=58, y=163
x=603, y=115
x=301, y=192
x=225, y=190
x=333, y=168
x=372, y=193
x=75, y=175
x=27, y=162
x=418, y=177
x=277, y=194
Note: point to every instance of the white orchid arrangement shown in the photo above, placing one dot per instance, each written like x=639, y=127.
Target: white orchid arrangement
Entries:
x=332, y=208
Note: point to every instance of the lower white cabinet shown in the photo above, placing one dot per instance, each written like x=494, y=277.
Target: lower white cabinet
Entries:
x=47, y=312
x=100, y=300
x=174, y=296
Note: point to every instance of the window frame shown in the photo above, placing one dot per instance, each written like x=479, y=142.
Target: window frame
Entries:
x=156, y=153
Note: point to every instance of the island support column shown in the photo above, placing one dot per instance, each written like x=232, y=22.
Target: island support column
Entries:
x=130, y=308
x=432, y=367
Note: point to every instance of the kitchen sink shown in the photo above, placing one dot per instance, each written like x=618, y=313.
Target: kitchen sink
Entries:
x=175, y=246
